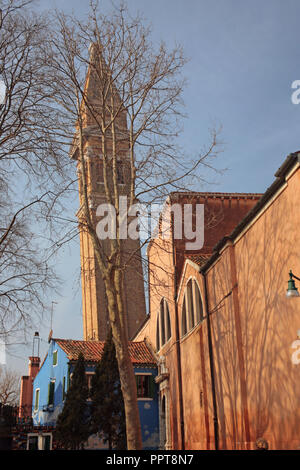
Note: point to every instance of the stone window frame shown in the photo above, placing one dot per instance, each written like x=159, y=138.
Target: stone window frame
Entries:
x=150, y=385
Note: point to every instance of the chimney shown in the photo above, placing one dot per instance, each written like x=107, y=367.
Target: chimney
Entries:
x=26, y=391
x=33, y=367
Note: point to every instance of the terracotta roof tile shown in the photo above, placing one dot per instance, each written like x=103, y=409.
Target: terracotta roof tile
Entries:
x=198, y=259
x=92, y=350
x=175, y=195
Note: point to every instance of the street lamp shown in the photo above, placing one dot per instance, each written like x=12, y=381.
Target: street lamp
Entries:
x=292, y=290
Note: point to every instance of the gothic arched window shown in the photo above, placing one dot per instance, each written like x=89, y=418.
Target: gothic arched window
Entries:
x=163, y=325
x=157, y=334
x=198, y=303
x=168, y=322
x=192, y=309
x=190, y=304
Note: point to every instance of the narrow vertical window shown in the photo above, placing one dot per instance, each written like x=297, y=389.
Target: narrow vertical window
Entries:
x=37, y=399
x=120, y=172
x=183, y=319
x=198, y=303
x=190, y=304
x=55, y=358
x=51, y=387
x=157, y=334
x=99, y=172
x=162, y=323
x=64, y=388
x=168, y=321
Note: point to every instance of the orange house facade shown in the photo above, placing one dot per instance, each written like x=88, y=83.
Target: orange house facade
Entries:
x=225, y=334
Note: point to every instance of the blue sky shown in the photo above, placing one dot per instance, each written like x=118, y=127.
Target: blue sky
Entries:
x=244, y=57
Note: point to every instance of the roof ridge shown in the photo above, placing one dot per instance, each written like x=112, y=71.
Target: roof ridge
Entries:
x=231, y=193
x=92, y=340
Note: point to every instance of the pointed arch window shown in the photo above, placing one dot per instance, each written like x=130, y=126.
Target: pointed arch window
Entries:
x=168, y=322
x=192, y=309
x=163, y=325
x=157, y=334
x=190, y=302
x=198, y=303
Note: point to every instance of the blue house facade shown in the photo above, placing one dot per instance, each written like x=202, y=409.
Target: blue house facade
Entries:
x=51, y=384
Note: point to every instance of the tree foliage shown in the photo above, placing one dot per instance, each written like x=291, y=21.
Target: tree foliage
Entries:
x=107, y=404
x=72, y=427
x=9, y=387
x=32, y=168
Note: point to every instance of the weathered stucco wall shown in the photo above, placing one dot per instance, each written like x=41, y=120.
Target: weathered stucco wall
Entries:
x=254, y=331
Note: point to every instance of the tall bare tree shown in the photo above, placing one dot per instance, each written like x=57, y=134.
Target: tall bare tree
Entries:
x=31, y=167
x=9, y=387
x=136, y=111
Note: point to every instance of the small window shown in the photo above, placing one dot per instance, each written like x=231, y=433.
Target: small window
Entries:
x=32, y=443
x=120, y=172
x=51, y=387
x=47, y=442
x=64, y=388
x=145, y=386
x=98, y=171
x=37, y=399
x=89, y=377
x=55, y=358
x=70, y=375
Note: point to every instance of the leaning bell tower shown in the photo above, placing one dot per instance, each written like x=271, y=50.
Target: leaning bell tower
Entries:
x=94, y=302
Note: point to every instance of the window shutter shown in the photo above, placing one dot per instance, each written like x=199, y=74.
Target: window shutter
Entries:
x=54, y=358
x=151, y=386
x=47, y=442
x=137, y=382
x=64, y=388
x=51, y=386
x=69, y=379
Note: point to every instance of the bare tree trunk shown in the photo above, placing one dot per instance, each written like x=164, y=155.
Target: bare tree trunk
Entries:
x=127, y=377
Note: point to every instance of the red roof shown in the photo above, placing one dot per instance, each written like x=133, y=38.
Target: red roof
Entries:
x=212, y=195
x=92, y=350
x=199, y=259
